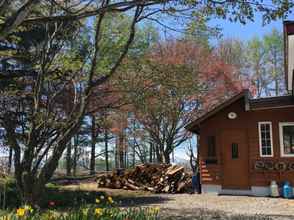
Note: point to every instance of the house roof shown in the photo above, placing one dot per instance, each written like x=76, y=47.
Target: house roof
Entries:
x=250, y=105
x=271, y=102
x=243, y=94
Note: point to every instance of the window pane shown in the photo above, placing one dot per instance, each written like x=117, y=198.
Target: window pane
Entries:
x=265, y=139
x=235, y=151
x=211, y=146
x=262, y=127
x=268, y=143
x=269, y=151
x=264, y=151
x=288, y=139
x=263, y=143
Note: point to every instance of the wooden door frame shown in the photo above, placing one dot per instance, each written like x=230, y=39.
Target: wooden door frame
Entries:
x=223, y=160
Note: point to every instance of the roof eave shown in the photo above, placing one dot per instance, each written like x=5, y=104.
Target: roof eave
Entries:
x=194, y=126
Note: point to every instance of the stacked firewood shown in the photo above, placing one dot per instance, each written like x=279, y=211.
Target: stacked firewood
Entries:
x=157, y=178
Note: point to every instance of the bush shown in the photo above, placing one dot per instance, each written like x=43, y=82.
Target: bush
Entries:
x=9, y=196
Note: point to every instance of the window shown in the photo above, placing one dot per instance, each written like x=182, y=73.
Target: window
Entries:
x=211, y=150
x=235, y=151
x=265, y=139
x=287, y=139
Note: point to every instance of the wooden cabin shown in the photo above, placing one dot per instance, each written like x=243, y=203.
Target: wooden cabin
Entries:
x=246, y=143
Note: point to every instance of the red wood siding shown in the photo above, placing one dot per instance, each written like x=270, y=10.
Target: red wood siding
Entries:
x=248, y=121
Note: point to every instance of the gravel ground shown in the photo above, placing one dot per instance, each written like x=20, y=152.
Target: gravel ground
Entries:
x=201, y=207
x=187, y=206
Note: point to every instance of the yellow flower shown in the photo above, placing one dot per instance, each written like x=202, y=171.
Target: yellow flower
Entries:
x=20, y=212
x=97, y=201
x=156, y=209
x=110, y=200
x=98, y=211
x=28, y=208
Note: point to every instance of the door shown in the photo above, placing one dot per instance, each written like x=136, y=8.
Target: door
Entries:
x=235, y=159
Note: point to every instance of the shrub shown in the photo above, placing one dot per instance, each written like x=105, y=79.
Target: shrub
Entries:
x=9, y=196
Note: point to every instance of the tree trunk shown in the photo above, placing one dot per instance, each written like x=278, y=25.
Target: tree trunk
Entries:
x=120, y=149
x=93, y=146
x=121, y=160
x=68, y=159
x=106, y=149
x=32, y=188
x=150, y=153
x=134, y=156
x=166, y=158
x=159, y=155
x=75, y=157
x=116, y=162
x=154, y=158
x=10, y=160
x=277, y=86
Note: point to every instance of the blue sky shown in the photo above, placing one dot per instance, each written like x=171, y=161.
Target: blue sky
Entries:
x=247, y=31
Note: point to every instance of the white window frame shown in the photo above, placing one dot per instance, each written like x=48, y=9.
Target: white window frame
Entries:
x=281, y=125
x=260, y=142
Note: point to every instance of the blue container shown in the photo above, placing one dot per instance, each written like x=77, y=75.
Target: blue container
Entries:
x=194, y=183
x=287, y=190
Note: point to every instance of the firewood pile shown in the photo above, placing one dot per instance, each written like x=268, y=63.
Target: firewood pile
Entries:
x=157, y=178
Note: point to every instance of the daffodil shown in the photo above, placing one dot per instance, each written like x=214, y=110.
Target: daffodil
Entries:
x=28, y=208
x=110, y=200
x=20, y=212
x=156, y=209
x=98, y=211
x=102, y=197
x=97, y=201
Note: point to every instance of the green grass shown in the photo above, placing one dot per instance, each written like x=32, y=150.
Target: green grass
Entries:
x=74, y=202
x=84, y=213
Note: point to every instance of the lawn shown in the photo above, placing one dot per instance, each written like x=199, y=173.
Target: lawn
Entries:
x=81, y=201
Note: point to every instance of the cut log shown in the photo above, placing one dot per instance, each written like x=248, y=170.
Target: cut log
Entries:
x=131, y=186
x=181, y=186
x=174, y=170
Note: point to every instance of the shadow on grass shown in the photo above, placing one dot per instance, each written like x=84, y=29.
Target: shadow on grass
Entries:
x=141, y=201
x=57, y=198
x=76, y=198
